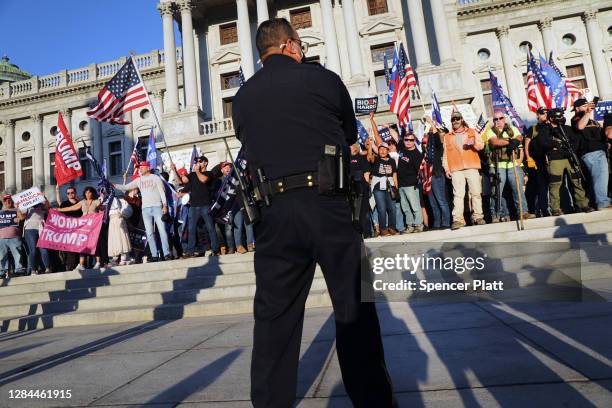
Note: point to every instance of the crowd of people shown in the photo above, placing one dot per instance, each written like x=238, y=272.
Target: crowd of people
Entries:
x=551, y=168
x=406, y=185
x=150, y=222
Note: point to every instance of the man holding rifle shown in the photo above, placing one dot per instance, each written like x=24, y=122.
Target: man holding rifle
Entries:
x=558, y=142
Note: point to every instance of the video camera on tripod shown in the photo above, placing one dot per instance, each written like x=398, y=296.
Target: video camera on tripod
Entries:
x=556, y=116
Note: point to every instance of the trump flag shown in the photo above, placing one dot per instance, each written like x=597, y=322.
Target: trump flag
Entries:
x=67, y=164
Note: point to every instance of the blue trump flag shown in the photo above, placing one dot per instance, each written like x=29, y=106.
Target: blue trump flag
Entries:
x=362, y=133
x=192, y=161
x=393, y=78
x=501, y=103
x=436, y=115
x=554, y=82
x=152, y=152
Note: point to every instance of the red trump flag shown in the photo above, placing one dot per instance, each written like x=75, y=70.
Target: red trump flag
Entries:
x=67, y=165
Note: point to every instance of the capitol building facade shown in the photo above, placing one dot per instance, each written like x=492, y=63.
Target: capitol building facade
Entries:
x=452, y=44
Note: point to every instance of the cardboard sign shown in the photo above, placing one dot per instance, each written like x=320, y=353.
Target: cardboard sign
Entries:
x=602, y=109
x=364, y=106
x=8, y=218
x=28, y=198
x=71, y=234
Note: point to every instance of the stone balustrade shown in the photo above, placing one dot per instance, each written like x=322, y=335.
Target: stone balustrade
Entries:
x=217, y=128
x=79, y=76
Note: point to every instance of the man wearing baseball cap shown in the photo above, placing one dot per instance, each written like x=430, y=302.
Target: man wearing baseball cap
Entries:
x=592, y=147
x=154, y=205
x=10, y=236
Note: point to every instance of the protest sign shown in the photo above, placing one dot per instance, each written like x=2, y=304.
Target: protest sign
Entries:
x=28, y=198
x=602, y=109
x=366, y=105
x=385, y=134
x=71, y=234
x=8, y=218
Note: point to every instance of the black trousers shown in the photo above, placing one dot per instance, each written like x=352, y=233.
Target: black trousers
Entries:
x=299, y=230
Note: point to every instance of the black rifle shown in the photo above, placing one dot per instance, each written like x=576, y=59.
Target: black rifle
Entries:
x=250, y=208
x=573, y=159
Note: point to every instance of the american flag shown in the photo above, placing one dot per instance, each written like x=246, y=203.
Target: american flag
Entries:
x=135, y=159
x=572, y=90
x=482, y=122
x=425, y=174
x=501, y=103
x=404, y=81
x=123, y=93
x=537, y=93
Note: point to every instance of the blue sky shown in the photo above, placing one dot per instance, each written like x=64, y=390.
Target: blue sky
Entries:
x=46, y=36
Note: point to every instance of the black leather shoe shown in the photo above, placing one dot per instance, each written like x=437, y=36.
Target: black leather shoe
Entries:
x=153, y=259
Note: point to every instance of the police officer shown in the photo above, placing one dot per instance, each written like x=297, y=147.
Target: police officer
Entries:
x=287, y=116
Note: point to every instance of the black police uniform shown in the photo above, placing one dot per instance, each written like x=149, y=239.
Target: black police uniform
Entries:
x=284, y=116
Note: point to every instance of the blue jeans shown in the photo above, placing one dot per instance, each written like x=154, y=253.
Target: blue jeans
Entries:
x=31, y=238
x=239, y=224
x=386, y=209
x=400, y=225
x=507, y=175
x=597, y=163
x=439, y=203
x=195, y=213
x=411, y=205
x=149, y=214
x=13, y=245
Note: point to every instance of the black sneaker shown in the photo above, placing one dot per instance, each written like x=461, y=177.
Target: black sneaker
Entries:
x=152, y=259
x=587, y=210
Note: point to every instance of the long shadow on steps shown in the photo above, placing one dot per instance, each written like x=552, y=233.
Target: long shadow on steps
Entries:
x=42, y=315
x=163, y=314
x=579, y=238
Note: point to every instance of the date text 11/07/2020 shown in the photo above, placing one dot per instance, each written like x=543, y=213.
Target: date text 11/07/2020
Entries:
x=425, y=286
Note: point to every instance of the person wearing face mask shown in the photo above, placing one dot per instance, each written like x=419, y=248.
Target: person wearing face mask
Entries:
x=461, y=164
x=296, y=123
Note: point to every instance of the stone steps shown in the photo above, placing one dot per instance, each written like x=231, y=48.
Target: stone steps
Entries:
x=226, y=285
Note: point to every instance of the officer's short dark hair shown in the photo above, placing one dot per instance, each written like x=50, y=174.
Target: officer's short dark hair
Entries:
x=273, y=33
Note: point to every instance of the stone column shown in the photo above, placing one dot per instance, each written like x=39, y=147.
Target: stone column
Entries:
x=157, y=99
x=602, y=74
x=189, y=62
x=10, y=181
x=128, y=130
x=170, y=71
x=548, y=36
x=67, y=114
x=39, y=152
x=512, y=90
x=441, y=27
x=419, y=33
x=262, y=11
x=332, y=60
x=244, y=39
x=352, y=38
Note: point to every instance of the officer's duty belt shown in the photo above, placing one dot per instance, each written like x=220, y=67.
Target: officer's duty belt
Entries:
x=288, y=183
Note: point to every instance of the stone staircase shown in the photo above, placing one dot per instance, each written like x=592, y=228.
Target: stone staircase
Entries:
x=226, y=285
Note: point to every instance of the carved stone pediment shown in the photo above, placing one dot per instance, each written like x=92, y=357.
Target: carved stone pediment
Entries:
x=571, y=53
x=484, y=68
x=381, y=26
x=225, y=56
x=311, y=37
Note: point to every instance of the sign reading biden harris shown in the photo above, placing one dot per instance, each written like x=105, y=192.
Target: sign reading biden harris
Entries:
x=363, y=106
x=71, y=234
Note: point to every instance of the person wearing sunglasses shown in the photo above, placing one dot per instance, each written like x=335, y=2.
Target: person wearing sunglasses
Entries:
x=536, y=190
x=461, y=163
x=70, y=260
x=290, y=118
x=504, y=140
x=407, y=176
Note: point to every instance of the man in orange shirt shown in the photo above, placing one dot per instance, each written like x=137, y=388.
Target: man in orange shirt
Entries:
x=461, y=164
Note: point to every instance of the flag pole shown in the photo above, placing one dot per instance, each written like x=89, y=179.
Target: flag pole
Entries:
x=161, y=131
